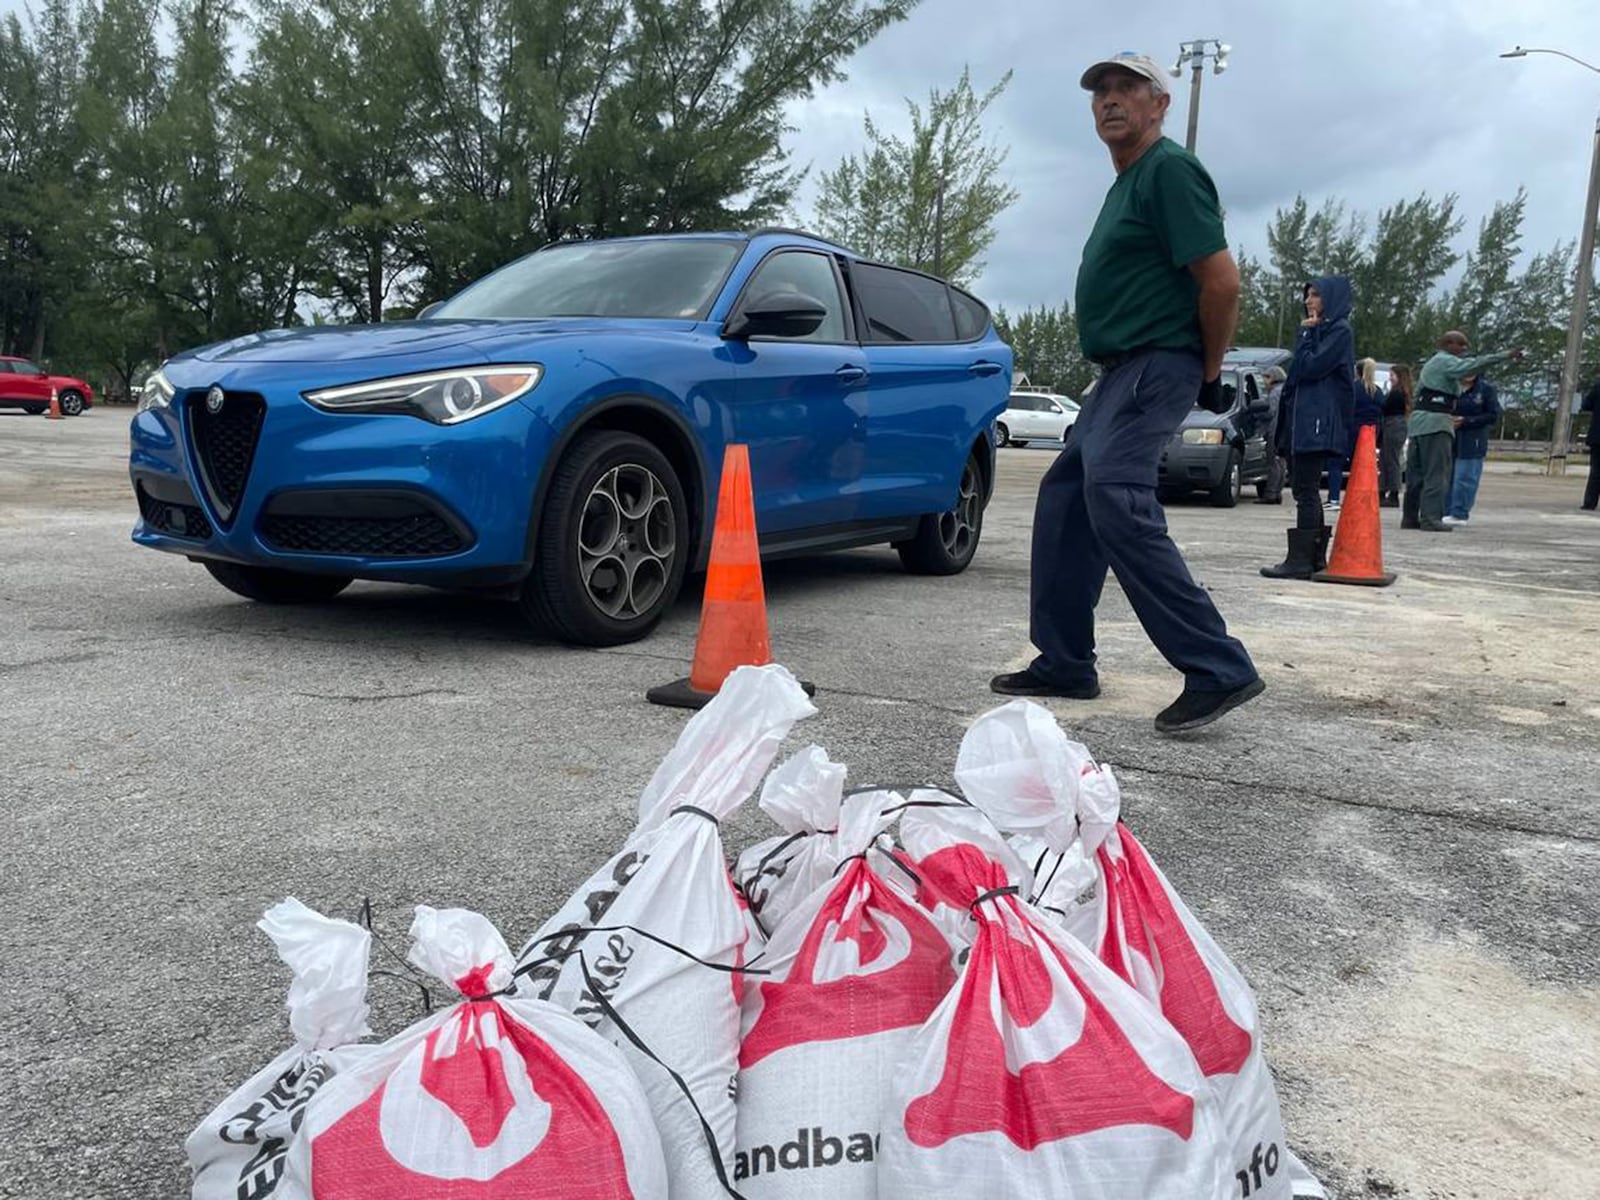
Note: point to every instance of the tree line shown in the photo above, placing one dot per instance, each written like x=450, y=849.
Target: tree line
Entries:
x=1398, y=262
x=256, y=160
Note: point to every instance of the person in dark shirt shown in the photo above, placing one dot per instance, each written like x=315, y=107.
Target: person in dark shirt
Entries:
x=1392, y=435
x=1157, y=301
x=1477, y=409
x=1591, y=405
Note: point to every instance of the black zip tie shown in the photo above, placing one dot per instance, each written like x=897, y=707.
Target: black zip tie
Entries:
x=638, y=1043
x=699, y=812
x=364, y=919
x=895, y=859
x=585, y=931
x=766, y=861
x=992, y=894
x=844, y=862
x=1052, y=878
x=427, y=994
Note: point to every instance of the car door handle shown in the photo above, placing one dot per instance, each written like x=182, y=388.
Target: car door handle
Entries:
x=984, y=368
x=850, y=374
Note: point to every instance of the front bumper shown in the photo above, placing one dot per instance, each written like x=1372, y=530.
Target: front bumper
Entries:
x=1185, y=466
x=289, y=486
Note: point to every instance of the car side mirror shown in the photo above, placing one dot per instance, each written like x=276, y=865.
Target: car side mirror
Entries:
x=427, y=310
x=784, y=314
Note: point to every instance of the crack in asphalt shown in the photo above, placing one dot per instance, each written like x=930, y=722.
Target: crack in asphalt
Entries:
x=374, y=697
x=51, y=660
x=1481, y=822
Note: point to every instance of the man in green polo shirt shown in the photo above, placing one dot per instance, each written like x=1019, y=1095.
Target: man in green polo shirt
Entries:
x=1431, y=432
x=1158, y=296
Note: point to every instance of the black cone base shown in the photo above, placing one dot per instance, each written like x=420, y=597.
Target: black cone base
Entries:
x=678, y=694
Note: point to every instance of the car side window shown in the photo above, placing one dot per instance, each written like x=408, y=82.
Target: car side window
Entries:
x=26, y=368
x=1251, y=392
x=5, y=368
x=1230, y=389
x=901, y=306
x=972, y=318
x=810, y=274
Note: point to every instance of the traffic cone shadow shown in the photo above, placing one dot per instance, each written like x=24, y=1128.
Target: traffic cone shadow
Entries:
x=733, y=615
x=55, y=406
x=1357, y=556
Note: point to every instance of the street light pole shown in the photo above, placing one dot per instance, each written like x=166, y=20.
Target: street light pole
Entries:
x=1195, y=53
x=1561, y=435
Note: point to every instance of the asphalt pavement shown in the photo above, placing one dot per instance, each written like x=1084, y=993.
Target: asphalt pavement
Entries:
x=1399, y=843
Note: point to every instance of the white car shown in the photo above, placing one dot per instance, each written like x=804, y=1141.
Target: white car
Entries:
x=1035, y=417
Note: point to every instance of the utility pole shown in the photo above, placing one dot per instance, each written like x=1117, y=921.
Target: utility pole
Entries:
x=1580, y=314
x=1195, y=53
x=1557, y=462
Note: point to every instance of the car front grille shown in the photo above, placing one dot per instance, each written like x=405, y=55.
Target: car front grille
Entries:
x=415, y=535
x=174, y=520
x=225, y=444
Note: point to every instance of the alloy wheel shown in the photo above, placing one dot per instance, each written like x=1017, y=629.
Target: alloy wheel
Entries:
x=627, y=538
x=958, y=528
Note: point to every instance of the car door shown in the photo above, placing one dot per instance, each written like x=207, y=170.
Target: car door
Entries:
x=925, y=388
x=31, y=383
x=800, y=403
x=1252, y=421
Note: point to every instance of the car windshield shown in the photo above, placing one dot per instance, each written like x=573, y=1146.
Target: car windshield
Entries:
x=648, y=278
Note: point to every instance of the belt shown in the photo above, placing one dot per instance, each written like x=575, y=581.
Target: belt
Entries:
x=1110, y=362
x=1436, y=402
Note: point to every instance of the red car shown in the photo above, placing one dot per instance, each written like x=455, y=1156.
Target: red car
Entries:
x=25, y=386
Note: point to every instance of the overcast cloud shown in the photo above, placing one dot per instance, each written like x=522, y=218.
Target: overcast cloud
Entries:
x=1369, y=100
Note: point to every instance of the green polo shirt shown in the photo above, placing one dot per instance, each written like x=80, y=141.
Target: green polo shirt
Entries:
x=1134, y=287
x=1444, y=373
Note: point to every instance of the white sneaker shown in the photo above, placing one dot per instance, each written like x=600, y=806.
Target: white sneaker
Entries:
x=1331, y=505
x=1455, y=520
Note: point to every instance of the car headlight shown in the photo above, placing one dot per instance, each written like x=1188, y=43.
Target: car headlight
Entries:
x=1202, y=437
x=158, y=393
x=443, y=397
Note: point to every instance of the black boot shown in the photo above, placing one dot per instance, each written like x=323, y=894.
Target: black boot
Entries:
x=1269, y=498
x=1319, y=552
x=1299, y=563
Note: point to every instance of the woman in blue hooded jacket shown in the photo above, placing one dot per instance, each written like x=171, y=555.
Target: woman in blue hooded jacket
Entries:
x=1322, y=417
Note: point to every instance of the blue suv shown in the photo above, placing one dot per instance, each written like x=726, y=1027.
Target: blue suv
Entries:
x=554, y=433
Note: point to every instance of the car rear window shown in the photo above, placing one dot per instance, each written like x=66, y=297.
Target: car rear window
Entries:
x=901, y=306
x=649, y=278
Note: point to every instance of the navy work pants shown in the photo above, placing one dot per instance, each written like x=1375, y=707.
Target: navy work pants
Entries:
x=1097, y=508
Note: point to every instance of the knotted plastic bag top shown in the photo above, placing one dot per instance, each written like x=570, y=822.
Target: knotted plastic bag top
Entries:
x=727, y=746
x=1021, y=769
x=803, y=794
x=328, y=959
x=463, y=949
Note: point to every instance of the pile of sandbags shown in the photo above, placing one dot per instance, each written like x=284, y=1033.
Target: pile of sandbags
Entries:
x=906, y=996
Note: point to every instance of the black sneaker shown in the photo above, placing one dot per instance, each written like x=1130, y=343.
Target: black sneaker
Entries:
x=1196, y=708
x=1026, y=683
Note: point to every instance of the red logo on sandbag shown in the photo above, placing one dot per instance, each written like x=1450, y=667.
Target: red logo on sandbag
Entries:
x=1150, y=926
x=1016, y=974
x=482, y=1109
x=870, y=963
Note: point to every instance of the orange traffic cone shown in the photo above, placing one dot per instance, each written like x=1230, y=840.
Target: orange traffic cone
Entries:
x=1358, y=541
x=733, y=616
x=55, y=406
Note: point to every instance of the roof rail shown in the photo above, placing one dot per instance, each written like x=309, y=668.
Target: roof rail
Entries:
x=805, y=233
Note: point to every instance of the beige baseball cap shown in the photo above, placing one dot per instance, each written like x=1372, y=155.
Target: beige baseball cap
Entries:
x=1139, y=64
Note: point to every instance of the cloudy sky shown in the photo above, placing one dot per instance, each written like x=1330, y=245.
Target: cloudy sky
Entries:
x=1369, y=100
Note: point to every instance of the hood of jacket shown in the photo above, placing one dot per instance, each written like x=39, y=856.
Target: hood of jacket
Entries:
x=1337, y=297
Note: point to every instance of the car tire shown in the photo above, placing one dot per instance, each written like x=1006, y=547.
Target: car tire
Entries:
x=613, y=542
x=72, y=404
x=1226, y=494
x=1017, y=443
x=270, y=585
x=1002, y=435
x=945, y=542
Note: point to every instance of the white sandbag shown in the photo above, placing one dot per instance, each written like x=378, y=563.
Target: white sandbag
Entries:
x=497, y=1097
x=671, y=881
x=239, y=1151
x=854, y=971
x=802, y=796
x=1041, y=1074
x=1017, y=765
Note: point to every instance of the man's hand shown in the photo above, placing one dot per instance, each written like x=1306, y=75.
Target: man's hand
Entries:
x=1210, y=397
x=1456, y=421
x=1310, y=321
x=1518, y=354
